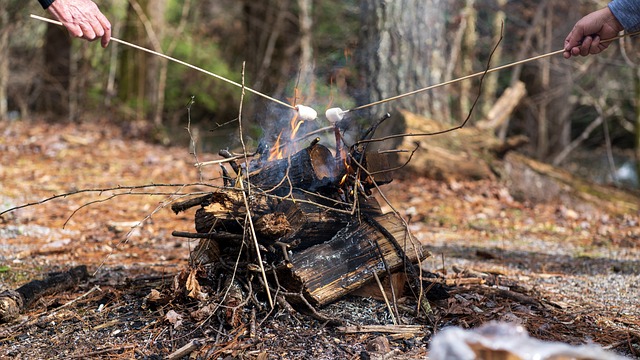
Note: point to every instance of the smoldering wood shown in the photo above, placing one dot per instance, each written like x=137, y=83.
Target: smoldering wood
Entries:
x=13, y=302
x=330, y=270
x=311, y=169
x=309, y=223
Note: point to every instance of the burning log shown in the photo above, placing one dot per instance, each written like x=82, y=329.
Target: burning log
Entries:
x=311, y=169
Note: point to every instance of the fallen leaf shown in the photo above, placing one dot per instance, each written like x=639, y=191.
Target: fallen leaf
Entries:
x=193, y=286
x=174, y=318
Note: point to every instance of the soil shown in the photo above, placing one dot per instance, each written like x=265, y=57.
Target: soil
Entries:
x=564, y=274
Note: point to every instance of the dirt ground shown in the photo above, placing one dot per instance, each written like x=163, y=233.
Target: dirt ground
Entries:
x=564, y=274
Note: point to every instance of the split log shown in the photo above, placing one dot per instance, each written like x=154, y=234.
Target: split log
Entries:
x=13, y=302
x=333, y=269
x=226, y=210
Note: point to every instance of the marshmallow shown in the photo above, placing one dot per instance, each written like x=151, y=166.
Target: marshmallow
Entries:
x=334, y=115
x=306, y=113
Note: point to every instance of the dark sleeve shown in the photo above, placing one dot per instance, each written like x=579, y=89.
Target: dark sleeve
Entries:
x=45, y=3
x=627, y=12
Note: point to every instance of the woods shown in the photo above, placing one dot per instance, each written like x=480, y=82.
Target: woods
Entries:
x=375, y=52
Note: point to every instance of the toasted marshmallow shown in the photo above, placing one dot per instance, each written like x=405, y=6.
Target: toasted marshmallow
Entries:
x=306, y=113
x=334, y=115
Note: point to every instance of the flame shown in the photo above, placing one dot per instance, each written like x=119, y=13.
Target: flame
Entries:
x=277, y=150
x=348, y=170
x=283, y=148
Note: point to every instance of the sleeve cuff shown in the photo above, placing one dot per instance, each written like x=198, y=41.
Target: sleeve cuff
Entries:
x=627, y=12
x=46, y=3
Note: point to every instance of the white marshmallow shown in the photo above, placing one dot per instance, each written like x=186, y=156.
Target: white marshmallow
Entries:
x=334, y=115
x=306, y=113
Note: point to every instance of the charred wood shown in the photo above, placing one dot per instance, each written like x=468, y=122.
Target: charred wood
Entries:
x=334, y=268
x=13, y=302
x=311, y=169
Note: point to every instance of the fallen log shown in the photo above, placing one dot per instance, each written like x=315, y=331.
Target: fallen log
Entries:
x=14, y=302
x=531, y=180
x=468, y=153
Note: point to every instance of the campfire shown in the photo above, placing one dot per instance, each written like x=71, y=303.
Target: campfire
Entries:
x=306, y=217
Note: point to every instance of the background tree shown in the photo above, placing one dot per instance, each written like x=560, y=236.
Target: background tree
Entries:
x=403, y=48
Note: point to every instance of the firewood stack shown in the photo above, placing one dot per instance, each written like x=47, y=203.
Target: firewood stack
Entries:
x=320, y=231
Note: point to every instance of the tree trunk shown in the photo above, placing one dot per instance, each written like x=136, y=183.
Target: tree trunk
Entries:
x=637, y=119
x=490, y=84
x=56, y=72
x=4, y=63
x=402, y=48
x=469, y=54
x=133, y=63
x=307, y=66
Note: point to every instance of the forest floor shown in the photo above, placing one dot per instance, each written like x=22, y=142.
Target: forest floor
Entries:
x=564, y=274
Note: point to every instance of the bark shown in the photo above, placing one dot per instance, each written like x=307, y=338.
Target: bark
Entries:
x=402, y=48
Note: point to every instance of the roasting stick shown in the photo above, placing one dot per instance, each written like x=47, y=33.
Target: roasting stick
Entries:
x=340, y=115
x=182, y=63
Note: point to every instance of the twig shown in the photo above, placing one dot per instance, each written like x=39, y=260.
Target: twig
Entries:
x=99, y=191
x=383, y=329
x=93, y=289
x=187, y=349
x=245, y=196
x=384, y=296
x=192, y=141
x=101, y=352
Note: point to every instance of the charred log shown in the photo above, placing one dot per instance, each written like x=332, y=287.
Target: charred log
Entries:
x=13, y=302
x=311, y=169
x=330, y=270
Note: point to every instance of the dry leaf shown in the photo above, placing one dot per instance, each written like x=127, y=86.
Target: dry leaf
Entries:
x=174, y=318
x=203, y=313
x=193, y=286
x=154, y=296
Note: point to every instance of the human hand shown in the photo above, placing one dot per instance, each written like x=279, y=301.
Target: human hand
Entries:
x=586, y=36
x=83, y=19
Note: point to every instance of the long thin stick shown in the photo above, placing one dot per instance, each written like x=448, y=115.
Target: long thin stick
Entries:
x=180, y=62
x=478, y=74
